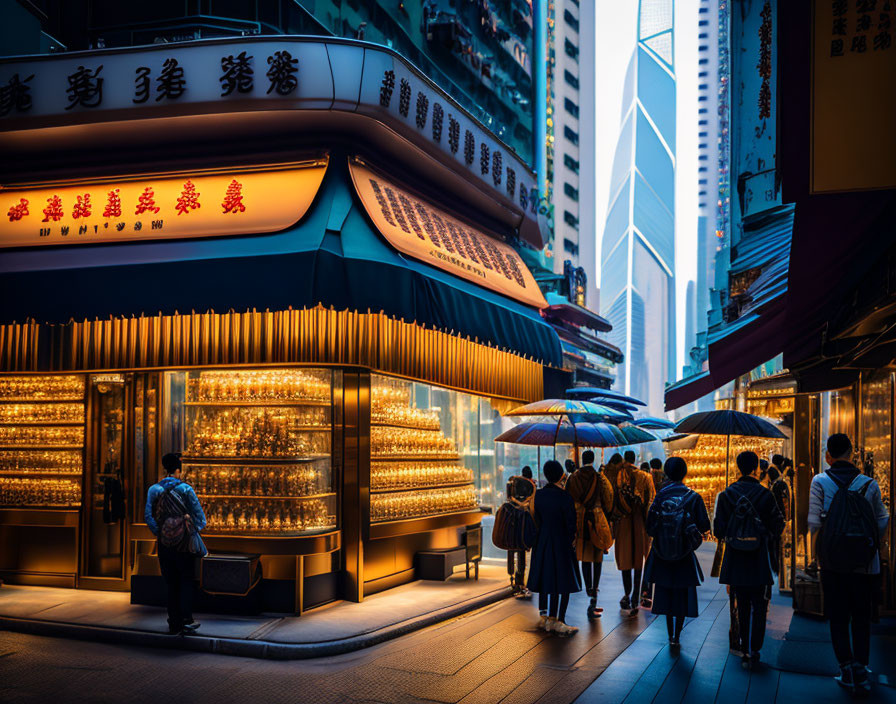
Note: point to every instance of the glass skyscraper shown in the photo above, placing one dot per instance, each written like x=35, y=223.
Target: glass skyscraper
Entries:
x=638, y=248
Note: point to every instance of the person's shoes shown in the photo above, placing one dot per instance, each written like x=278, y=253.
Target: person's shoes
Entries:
x=846, y=677
x=174, y=630
x=746, y=662
x=561, y=629
x=190, y=627
x=594, y=611
x=634, y=611
x=542, y=624
x=861, y=681
x=754, y=659
x=549, y=624
x=625, y=603
x=523, y=593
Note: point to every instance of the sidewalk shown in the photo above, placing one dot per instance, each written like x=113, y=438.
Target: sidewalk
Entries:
x=336, y=628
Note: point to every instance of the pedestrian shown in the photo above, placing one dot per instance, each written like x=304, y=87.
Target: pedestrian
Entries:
x=781, y=492
x=676, y=521
x=633, y=493
x=520, y=493
x=746, y=519
x=763, y=472
x=847, y=513
x=554, y=573
x=174, y=515
x=593, y=496
x=657, y=473
x=527, y=472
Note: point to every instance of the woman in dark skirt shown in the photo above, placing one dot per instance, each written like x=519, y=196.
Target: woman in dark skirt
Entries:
x=675, y=581
x=554, y=573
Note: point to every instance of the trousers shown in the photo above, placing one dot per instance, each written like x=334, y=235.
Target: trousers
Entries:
x=591, y=577
x=554, y=604
x=179, y=571
x=516, y=567
x=848, y=604
x=752, y=607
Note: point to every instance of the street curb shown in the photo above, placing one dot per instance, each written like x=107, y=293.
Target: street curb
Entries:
x=263, y=649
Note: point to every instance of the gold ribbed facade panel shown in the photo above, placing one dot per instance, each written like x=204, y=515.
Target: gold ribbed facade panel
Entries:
x=315, y=336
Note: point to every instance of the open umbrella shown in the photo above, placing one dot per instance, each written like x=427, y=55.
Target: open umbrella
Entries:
x=592, y=392
x=635, y=435
x=654, y=423
x=562, y=407
x=547, y=432
x=728, y=423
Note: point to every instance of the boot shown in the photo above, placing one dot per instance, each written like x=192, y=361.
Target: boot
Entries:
x=846, y=677
x=561, y=629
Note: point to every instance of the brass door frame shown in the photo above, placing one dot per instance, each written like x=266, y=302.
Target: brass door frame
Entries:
x=85, y=581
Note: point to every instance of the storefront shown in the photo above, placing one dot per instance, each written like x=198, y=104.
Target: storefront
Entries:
x=358, y=319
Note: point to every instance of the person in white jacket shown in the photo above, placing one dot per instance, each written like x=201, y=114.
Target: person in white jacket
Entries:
x=848, y=595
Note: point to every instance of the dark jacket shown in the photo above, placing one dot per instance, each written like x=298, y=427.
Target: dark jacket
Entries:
x=554, y=568
x=748, y=568
x=679, y=573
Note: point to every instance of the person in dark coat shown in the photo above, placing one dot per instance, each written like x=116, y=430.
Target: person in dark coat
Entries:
x=657, y=474
x=675, y=582
x=554, y=572
x=749, y=572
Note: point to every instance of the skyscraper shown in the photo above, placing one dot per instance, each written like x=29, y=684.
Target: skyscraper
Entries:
x=571, y=163
x=638, y=248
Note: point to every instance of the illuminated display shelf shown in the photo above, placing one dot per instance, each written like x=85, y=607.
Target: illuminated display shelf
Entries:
x=262, y=404
x=446, y=485
x=36, y=474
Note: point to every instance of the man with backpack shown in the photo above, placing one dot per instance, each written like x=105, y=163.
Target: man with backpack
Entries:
x=847, y=513
x=174, y=515
x=520, y=493
x=781, y=492
x=593, y=496
x=633, y=493
x=747, y=518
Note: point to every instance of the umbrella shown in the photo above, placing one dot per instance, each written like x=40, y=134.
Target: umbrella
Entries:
x=594, y=392
x=545, y=433
x=728, y=423
x=613, y=403
x=654, y=423
x=635, y=435
x=563, y=407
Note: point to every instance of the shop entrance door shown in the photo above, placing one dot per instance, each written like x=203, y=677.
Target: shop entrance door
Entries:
x=104, y=517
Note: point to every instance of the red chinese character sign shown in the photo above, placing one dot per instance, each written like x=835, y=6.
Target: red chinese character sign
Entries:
x=423, y=231
x=252, y=202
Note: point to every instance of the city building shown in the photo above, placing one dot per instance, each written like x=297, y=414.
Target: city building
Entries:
x=571, y=161
x=638, y=247
x=478, y=53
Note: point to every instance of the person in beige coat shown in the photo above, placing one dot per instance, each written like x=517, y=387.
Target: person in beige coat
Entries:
x=633, y=491
x=593, y=495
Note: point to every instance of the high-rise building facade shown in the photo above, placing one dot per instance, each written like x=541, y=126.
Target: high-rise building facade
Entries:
x=479, y=53
x=638, y=246
x=571, y=138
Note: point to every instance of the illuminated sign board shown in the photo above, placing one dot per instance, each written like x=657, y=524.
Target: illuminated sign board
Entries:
x=159, y=207
x=419, y=229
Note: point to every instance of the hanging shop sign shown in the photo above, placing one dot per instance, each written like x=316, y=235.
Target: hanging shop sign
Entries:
x=421, y=230
x=853, y=100
x=159, y=207
x=260, y=74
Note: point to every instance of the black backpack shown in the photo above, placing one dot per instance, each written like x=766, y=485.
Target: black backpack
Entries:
x=745, y=529
x=514, y=528
x=675, y=535
x=849, y=537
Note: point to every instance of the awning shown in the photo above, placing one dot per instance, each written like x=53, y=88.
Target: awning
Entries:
x=759, y=282
x=332, y=257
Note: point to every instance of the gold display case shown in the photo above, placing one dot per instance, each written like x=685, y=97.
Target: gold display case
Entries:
x=257, y=448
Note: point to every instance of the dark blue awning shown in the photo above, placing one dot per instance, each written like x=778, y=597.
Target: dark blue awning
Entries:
x=334, y=257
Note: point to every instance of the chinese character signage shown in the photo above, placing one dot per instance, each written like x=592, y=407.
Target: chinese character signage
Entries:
x=417, y=228
x=853, y=98
x=159, y=207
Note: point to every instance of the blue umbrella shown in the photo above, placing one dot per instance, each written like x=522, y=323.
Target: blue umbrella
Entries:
x=652, y=423
x=566, y=432
x=601, y=394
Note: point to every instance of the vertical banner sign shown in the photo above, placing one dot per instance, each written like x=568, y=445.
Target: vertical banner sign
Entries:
x=158, y=207
x=419, y=229
x=853, y=95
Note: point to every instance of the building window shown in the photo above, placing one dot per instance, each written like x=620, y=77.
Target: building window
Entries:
x=703, y=122
x=572, y=51
x=703, y=23
x=571, y=107
x=703, y=134
x=703, y=35
x=570, y=163
x=571, y=80
x=570, y=20
x=702, y=181
x=572, y=193
x=570, y=219
x=571, y=134
x=569, y=245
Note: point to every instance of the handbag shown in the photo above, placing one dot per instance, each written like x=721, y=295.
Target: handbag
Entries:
x=717, y=559
x=599, y=533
